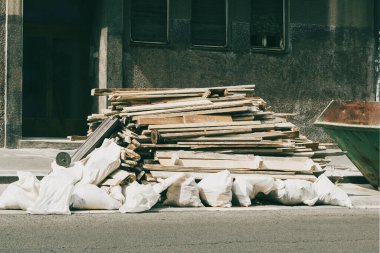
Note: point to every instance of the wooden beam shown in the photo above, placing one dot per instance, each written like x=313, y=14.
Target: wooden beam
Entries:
x=149, y=107
x=202, y=155
x=188, y=108
x=157, y=137
x=211, y=124
x=108, y=91
x=212, y=111
x=104, y=130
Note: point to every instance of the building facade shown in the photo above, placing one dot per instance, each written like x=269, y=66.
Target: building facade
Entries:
x=300, y=54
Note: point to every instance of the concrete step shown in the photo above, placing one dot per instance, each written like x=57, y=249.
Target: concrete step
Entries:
x=48, y=143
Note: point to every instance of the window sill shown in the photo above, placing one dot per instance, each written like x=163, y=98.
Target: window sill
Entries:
x=210, y=48
x=269, y=50
x=148, y=44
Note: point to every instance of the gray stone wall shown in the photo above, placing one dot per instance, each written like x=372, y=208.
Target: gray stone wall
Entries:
x=2, y=71
x=330, y=56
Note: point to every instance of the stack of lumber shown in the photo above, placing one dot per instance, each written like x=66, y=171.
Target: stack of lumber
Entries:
x=204, y=130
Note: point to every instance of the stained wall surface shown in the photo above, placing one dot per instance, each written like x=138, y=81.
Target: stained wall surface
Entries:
x=330, y=55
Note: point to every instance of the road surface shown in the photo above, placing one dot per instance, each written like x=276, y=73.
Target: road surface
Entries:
x=296, y=230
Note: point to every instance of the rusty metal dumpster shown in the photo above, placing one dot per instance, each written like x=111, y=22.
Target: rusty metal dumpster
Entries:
x=355, y=126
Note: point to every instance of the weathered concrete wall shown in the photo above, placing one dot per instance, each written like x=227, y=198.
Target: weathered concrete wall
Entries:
x=108, y=37
x=330, y=56
x=2, y=71
x=13, y=101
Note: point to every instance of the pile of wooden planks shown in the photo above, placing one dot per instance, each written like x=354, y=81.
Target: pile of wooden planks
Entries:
x=204, y=130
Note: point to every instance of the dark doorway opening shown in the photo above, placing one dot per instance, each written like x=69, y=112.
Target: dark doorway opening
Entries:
x=56, y=82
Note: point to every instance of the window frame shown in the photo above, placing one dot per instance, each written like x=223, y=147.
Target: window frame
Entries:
x=285, y=15
x=227, y=36
x=142, y=42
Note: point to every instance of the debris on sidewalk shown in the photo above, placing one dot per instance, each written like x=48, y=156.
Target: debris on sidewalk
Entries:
x=21, y=194
x=152, y=144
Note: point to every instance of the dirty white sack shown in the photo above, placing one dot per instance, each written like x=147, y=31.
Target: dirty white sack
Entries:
x=215, y=189
x=164, y=184
x=330, y=194
x=294, y=192
x=56, y=189
x=89, y=196
x=101, y=162
x=245, y=188
x=183, y=192
x=22, y=193
x=139, y=198
x=115, y=192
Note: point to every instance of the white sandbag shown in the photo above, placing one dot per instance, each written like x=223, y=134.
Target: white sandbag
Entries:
x=115, y=192
x=22, y=193
x=183, y=193
x=330, y=194
x=294, y=192
x=54, y=197
x=74, y=171
x=215, y=189
x=89, y=196
x=56, y=189
x=101, y=162
x=245, y=188
x=164, y=184
x=139, y=198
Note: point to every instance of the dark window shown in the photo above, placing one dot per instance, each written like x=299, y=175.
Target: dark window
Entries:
x=267, y=24
x=149, y=20
x=208, y=22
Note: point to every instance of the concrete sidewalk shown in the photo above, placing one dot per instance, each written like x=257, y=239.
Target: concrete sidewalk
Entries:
x=37, y=161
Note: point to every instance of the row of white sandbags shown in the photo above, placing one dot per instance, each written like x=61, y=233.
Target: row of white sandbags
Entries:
x=56, y=194
x=220, y=190
x=217, y=190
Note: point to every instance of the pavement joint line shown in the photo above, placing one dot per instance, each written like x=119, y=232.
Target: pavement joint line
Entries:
x=205, y=209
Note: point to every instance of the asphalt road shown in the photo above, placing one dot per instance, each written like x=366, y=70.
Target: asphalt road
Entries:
x=315, y=230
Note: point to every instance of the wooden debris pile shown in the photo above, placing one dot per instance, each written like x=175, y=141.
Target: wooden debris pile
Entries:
x=205, y=130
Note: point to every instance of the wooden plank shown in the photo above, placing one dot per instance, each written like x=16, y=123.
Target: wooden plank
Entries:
x=228, y=98
x=255, y=127
x=200, y=176
x=218, y=138
x=139, y=97
x=244, y=150
x=139, y=108
x=116, y=178
x=328, y=152
x=286, y=125
x=213, y=111
x=201, y=155
x=159, y=167
x=163, y=146
x=213, y=163
x=108, y=91
x=156, y=137
x=206, y=118
x=212, y=106
x=159, y=121
x=252, y=144
x=211, y=124
x=105, y=129
x=288, y=163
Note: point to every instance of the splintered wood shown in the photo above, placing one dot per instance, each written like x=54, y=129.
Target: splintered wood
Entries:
x=205, y=130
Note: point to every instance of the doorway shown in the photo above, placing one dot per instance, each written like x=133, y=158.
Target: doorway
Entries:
x=56, y=82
